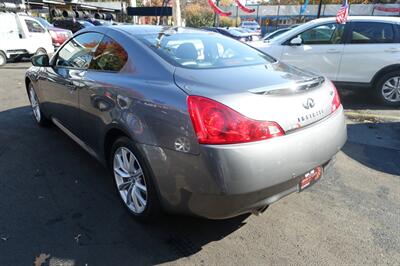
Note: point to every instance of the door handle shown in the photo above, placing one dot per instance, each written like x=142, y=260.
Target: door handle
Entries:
x=392, y=50
x=333, y=51
x=71, y=86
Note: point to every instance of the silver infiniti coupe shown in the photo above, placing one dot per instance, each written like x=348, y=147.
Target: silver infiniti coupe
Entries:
x=189, y=121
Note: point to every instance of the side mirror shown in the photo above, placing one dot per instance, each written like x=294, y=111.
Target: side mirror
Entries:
x=296, y=41
x=41, y=60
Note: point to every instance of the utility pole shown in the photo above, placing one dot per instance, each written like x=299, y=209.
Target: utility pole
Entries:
x=216, y=16
x=237, y=15
x=176, y=13
x=319, y=8
x=277, y=15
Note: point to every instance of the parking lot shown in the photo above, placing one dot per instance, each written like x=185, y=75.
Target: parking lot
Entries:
x=57, y=200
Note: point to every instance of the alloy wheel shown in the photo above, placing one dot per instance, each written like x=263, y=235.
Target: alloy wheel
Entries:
x=3, y=59
x=130, y=181
x=35, y=104
x=391, y=89
x=40, y=51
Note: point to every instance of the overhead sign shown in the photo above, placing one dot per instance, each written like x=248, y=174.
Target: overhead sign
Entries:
x=150, y=11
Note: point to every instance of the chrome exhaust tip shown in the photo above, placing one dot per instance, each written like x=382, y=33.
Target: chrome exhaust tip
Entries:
x=258, y=211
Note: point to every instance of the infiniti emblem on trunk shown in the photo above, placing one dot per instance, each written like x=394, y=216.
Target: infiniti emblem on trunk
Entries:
x=309, y=103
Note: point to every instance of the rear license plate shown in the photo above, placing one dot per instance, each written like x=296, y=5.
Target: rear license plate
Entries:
x=310, y=178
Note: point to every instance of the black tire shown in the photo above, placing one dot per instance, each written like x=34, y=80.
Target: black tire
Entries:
x=152, y=209
x=40, y=51
x=41, y=120
x=56, y=13
x=18, y=58
x=3, y=58
x=68, y=14
x=380, y=89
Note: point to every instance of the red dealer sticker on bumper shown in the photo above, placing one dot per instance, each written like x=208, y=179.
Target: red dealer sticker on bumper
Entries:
x=310, y=177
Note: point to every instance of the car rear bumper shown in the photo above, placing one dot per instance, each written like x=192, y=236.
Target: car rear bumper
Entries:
x=227, y=180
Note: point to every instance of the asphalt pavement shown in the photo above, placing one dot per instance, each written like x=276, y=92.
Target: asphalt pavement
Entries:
x=58, y=205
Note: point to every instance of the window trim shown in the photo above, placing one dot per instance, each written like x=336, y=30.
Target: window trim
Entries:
x=352, y=24
x=55, y=57
x=342, y=39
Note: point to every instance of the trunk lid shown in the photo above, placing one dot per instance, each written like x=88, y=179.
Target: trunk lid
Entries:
x=276, y=92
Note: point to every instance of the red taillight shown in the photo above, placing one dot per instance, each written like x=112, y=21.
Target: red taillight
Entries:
x=58, y=37
x=215, y=123
x=336, y=99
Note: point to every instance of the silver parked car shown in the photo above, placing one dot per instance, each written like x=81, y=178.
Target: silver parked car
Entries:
x=189, y=121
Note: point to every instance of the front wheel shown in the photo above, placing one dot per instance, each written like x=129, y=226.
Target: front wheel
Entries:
x=40, y=51
x=3, y=58
x=37, y=112
x=133, y=181
x=387, y=90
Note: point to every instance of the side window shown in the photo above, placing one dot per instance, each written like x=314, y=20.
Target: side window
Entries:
x=78, y=52
x=372, y=32
x=34, y=26
x=109, y=56
x=323, y=34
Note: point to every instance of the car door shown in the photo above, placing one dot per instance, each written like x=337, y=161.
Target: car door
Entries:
x=98, y=97
x=61, y=82
x=320, y=51
x=372, y=45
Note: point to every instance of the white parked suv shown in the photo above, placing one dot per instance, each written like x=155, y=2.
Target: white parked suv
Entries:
x=363, y=53
x=21, y=35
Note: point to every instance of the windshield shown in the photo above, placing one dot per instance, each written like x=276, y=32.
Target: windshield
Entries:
x=203, y=51
x=234, y=32
x=44, y=22
x=274, y=34
x=95, y=22
x=85, y=23
x=290, y=33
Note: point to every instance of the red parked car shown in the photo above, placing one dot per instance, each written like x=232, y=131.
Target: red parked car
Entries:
x=58, y=35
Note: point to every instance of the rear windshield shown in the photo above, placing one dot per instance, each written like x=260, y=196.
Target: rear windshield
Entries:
x=203, y=50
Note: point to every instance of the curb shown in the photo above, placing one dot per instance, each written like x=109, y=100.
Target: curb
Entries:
x=350, y=114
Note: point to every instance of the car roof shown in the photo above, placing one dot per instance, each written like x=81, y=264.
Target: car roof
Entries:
x=153, y=29
x=360, y=18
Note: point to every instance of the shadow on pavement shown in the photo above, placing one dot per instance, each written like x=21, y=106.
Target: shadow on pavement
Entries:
x=376, y=145
x=55, y=199
x=360, y=100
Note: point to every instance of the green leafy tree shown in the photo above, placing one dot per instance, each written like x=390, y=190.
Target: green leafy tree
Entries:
x=198, y=16
x=228, y=22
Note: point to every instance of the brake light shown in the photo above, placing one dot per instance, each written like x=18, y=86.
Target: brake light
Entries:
x=58, y=37
x=215, y=123
x=53, y=34
x=336, y=99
